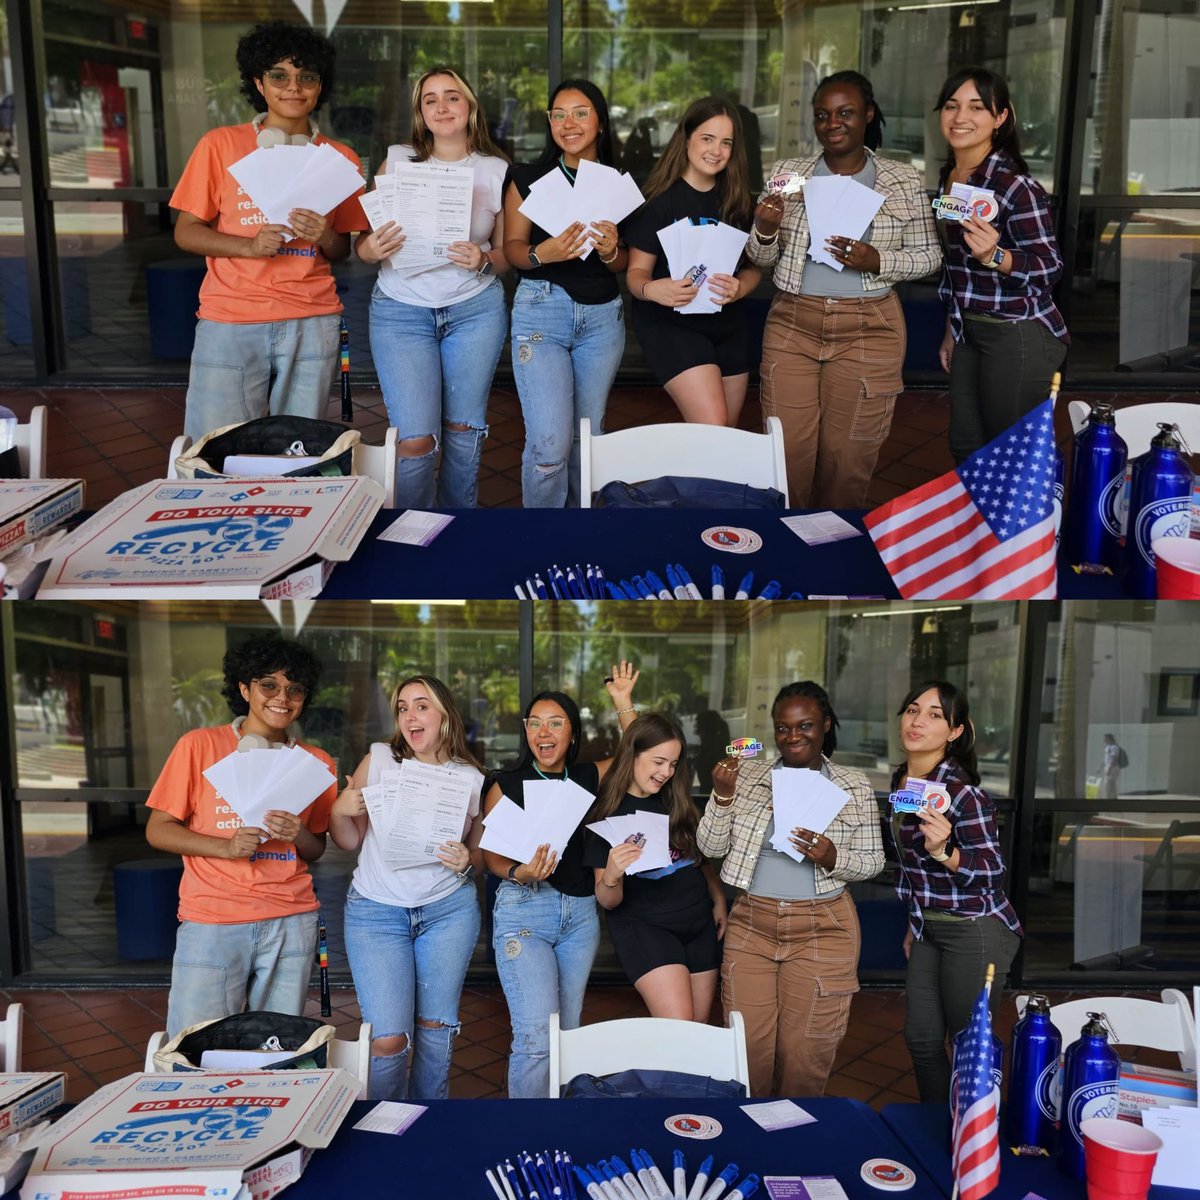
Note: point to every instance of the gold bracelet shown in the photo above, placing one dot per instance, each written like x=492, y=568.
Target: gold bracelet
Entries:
x=609, y=261
x=622, y=711
x=614, y=886
x=720, y=799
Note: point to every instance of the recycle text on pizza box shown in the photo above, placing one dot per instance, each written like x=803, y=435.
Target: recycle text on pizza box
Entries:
x=233, y=1135
x=215, y=539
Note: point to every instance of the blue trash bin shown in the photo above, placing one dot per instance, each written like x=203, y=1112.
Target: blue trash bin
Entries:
x=146, y=892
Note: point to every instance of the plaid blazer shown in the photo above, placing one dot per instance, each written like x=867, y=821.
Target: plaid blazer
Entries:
x=903, y=231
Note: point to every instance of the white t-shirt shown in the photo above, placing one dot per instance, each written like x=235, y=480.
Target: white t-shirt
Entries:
x=407, y=886
x=451, y=284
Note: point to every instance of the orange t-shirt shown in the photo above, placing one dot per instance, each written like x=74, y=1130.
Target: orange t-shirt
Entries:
x=297, y=282
x=230, y=891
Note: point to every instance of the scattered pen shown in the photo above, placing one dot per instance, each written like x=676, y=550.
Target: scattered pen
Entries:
x=590, y=583
x=614, y=1180
x=520, y=592
x=701, y=1180
x=508, y=1189
x=718, y=583
x=643, y=588
x=601, y=582
x=745, y=1189
x=676, y=584
x=614, y=592
x=632, y=1186
x=629, y=590
x=554, y=577
x=657, y=586
x=514, y=1186
x=642, y=1168
x=655, y=1174
x=529, y=1187
x=540, y=588
x=530, y=589
x=495, y=1186
x=772, y=591
x=592, y=1188
x=796, y=596
x=576, y=588
x=692, y=590
x=680, y=1161
x=743, y=589
x=606, y=1189
x=721, y=1182
x=569, y=1174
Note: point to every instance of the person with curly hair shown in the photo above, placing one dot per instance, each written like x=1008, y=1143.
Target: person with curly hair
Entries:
x=242, y=365
x=247, y=909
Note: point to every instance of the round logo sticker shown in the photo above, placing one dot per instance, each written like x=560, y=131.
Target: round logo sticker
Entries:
x=689, y=1125
x=984, y=207
x=937, y=798
x=731, y=539
x=887, y=1175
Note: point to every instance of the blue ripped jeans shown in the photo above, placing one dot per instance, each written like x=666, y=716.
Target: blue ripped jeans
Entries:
x=408, y=966
x=545, y=944
x=565, y=357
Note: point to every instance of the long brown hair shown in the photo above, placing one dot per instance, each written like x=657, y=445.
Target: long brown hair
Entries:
x=479, y=140
x=733, y=188
x=646, y=732
x=453, y=732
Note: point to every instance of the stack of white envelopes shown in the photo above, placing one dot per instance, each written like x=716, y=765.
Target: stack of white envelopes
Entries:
x=698, y=252
x=837, y=206
x=252, y=782
x=282, y=178
x=552, y=812
x=600, y=194
x=650, y=830
x=802, y=799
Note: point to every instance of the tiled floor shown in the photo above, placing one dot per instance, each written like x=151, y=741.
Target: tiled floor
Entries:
x=116, y=438
x=98, y=1036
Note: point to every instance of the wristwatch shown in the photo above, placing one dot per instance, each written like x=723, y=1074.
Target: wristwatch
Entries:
x=512, y=873
x=534, y=261
x=944, y=856
x=485, y=268
x=997, y=259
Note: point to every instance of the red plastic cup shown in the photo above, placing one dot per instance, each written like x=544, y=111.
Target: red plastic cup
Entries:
x=1177, y=561
x=1119, y=1158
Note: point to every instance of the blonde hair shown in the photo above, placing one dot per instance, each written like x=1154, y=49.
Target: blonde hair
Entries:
x=453, y=733
x=479, y=140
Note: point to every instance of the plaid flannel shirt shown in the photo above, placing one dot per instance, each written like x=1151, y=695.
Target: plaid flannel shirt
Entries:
x=903, y=231
x=976, y=889
x=736, y=832
x=1027, y=234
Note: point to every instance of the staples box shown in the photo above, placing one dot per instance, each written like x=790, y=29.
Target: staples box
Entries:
x=29, y=507
x=234, y=1136
x=215, y=539
x=1153, y=1087
x=28, y=1095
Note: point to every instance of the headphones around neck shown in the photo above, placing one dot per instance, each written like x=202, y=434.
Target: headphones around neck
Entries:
x=268, y=137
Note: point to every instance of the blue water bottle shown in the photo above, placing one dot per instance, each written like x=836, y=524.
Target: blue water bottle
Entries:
x=997, y=1068
x=1093, y=529
x=1160, y=500
x=1033, y=1091
x=1091, y=1070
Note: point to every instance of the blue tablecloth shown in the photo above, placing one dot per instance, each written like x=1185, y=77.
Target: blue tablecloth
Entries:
x=445, y=1153
x=924, y=1129
x=485, y=551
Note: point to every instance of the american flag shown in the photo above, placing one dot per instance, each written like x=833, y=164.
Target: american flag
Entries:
x=976, y=1151
x=984, y=531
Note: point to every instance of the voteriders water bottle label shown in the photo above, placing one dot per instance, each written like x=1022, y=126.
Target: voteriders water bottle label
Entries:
x=1049, y=1089
x=918, y=794
x=1092, y=1100
x=1170, y=517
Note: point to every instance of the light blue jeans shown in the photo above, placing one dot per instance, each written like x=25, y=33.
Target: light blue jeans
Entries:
x=565, y=358
x=545, y=944
x=219, y=970
x=408, y=966
x=435, y=367
x=240, y=372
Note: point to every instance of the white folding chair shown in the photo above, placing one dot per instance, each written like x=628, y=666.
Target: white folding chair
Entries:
x=31, y=444
x=701, y=451
x=1138, y=423
x=648, y=1043
x=1165, y=1025
x=354, y=1057
x=10, y=1039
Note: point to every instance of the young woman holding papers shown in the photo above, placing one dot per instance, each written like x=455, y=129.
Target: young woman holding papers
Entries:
x=545, y=925
x=834, y=344
x=1005, y=337
x=692, y=329
x=666, y=923
x=267, y=339
x=436, y=335
x=791, y=949
x=568, y=327
x=412, y=917
x=951, y=877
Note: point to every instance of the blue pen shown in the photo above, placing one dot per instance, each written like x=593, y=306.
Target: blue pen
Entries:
x=581, y=578
x=772, y=591
x=630, y=1179
x=590, y=582
x=529, y=1186
x=552, y=1185
x=743, y=590
x=701, y=1180
x=575, y=579
x=557, y=581
x=606, y=1188
x=520, y=592
x=681, y=1167
x=796, y=596
x=657, y=586
x=718, y=583
x=562, y=1163
x=656, y=1175
x=692, y=590
x=530, y=590
x=572, y=590
x=721, y=1182
x=614, y=1180
x=614, y=592
x=568, y=1164
x=592, y=1189
x=601, y=581
x=675, y=583
x=629, y=590
x=510, y=1171
x=540, y=587
x=643, y=588
x=745, y=1189
x=641, y=1164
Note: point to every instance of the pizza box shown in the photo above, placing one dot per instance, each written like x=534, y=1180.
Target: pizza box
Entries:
x=29, y=507
x=216, y=539
x=234, y=1136
x=27, y=1095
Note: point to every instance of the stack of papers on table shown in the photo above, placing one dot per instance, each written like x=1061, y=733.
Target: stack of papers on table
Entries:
x=802, y=799
x=282, y=178
x=431, y=202
x=837, y=206
x=651, y=829
x=701, y=251
x=1179, y=1128
x=600, y=193
x=552, y=812
x=416, y=808
x=252, y=782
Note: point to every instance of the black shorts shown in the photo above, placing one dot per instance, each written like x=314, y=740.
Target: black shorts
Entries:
x=674, y=344
x=688, y=938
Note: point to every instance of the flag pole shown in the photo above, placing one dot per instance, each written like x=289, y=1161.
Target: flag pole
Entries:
x=987, y=987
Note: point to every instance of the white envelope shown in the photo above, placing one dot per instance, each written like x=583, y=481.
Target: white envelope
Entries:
x=802, y=799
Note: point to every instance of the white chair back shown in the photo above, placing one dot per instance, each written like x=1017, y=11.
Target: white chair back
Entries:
x=1138, y=423
x=31, y=444
x=10, y=1039
x=1165, y=1025
x=648, y=1043
x=701, y=451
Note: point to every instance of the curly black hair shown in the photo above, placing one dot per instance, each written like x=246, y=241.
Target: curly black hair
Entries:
x=263, y=655
x=275, y=42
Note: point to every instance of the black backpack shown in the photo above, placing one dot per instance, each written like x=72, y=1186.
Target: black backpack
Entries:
x=1122, y=757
